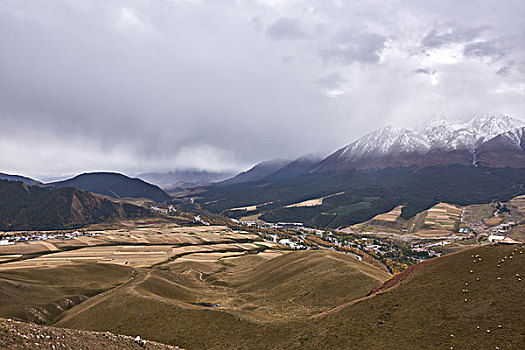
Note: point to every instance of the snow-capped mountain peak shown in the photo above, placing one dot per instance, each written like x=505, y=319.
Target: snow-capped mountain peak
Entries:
x=470, y=133
x=433, y=122
x=435, y=134
x=510, y=140
x=385, y=141
x=490, y=126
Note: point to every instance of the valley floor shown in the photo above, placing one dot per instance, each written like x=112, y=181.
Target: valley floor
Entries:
x=214, y=288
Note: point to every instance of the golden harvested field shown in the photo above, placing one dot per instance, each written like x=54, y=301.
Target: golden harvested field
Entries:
x=519, y=203
x=391, y=216
x=134, y=256
x=308, y=203
x=251, y=207
x=312, y=202
x=155, y=235
x=254, y=217
x=135, y=248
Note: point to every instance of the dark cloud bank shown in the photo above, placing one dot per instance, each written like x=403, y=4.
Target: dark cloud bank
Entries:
x=140, y=86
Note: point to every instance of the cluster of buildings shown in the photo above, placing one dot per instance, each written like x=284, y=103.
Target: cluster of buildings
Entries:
x=41, y=236
x=498, y=233
x=169, y=209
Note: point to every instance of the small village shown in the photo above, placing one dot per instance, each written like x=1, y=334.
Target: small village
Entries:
x=391, y=250
x=42, y=236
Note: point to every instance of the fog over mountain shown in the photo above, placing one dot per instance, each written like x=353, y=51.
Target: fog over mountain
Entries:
x=154, y=86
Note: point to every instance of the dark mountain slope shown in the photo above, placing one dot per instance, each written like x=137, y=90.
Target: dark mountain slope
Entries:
x=505, y=150
x=24, y=207
x=368, y=193
x=23, y=179
x=114, y=185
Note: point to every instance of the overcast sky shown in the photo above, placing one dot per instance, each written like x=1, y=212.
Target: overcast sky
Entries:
x=154, y=85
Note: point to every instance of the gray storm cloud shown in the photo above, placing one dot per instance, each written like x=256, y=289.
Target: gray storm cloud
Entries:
x=144, y=85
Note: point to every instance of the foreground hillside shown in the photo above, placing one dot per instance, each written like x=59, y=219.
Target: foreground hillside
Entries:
x=438, y=304
x=229, y=302
x=24, y=207
x=426, y=305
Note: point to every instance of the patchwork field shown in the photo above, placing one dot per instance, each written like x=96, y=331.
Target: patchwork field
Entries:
x=44, y=278
x=519, y=203
x=440, y=220
x=443, y=215
x=164, y=234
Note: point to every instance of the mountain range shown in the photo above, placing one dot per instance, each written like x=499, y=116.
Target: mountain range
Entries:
x=495, y=141
x=479, y=160
x=27, y=207
x=436, y=142
x=114, y=185
x=475, y=161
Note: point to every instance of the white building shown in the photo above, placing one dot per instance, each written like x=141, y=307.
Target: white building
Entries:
x=496, y=238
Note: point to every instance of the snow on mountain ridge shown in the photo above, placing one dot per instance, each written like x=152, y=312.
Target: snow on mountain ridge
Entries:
x=384, y=141
x=437, y=133
x=470, y=133
x=512, y=139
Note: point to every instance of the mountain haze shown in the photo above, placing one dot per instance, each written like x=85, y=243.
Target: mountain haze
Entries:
x=301, y=165
x=259, y=171
x=184, y=178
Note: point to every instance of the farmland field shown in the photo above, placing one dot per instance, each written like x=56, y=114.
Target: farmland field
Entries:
x=443, y=215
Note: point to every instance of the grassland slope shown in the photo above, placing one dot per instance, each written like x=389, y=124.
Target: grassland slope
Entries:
x=231, y=305
x=40, y=294
x=438, y=304
x=427, y=307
